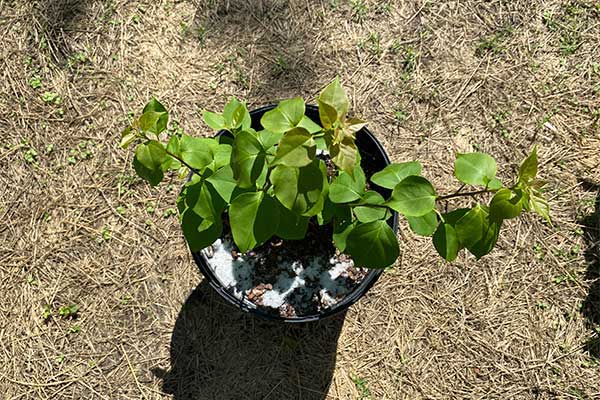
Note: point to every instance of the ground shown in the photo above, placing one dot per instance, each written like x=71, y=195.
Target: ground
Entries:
x=100, y=297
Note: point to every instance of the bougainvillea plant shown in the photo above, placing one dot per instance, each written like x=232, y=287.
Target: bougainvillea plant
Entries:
x=273, y=181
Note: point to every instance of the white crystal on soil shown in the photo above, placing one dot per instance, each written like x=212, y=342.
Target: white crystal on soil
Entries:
x=237, y=275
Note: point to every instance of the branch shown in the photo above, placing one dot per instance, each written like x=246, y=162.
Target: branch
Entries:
x=464, y=194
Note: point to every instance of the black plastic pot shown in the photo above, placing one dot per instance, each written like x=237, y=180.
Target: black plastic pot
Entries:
x=374, y=158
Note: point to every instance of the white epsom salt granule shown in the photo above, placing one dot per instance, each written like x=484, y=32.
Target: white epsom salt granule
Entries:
x=327, y=278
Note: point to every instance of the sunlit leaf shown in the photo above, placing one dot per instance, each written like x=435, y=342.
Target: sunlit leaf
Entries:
x=475, y=168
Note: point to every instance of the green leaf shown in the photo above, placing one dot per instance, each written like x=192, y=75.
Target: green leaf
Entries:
x=472, y=226
x=539, y=204
x=222, y=156
x=413, y=197
x=148, y=161
x=346, y=188
x=128, y=136
x=372, y=245
x=197, y=152
x=254, y=218
x=309, y=125
x=268, y=138
x=200, y=207
x=285, y=116
x=353, y=125
x=334, y=96
x=225, y=184
x=291, y=225
x=369, y=212
x=214, y=120
x=199, y=232
x=529, y=167
x=170, y=162
x=344, y=154
x=446, y=242
x=327, y=115
x=203, y=199
x=343, y=223
x=154, y=117
x=236, y=115
x=495, y=184
x=424, y=225
x=477, y=232
x=506, y=204
x=301, y=190
x=393, y=174
x=296, y=149
x=475, y=168
x=154, y=106
x=247, y=159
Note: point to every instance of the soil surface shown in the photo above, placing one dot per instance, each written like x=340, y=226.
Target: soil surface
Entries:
x=289, y=278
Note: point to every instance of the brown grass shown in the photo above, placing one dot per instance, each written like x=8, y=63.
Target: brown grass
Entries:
x=496, y=76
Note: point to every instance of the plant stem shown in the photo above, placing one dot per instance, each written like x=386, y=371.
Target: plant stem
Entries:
x=194, y=170
x=464, y=194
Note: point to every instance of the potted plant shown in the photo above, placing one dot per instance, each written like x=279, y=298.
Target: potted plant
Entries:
x=291, y=211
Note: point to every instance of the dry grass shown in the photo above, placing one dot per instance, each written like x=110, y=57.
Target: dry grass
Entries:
x=432, y=77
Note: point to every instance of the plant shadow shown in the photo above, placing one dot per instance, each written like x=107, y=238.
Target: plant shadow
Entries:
x=591, y=305
x=220, y=352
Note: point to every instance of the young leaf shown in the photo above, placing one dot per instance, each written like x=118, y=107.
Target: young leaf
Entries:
x=424, y=225
x=344, y=154
x=291, y=225
x=475, y=168
x=301, y=190
x=254, y=218
x=445, y=242
x=236, y=115
x=346, y=188
x=247, y=159
x=127, y=137
x=197, y=152
x=285, y=116
x=154, y=117
x=296, y=149
x=539, y=204
x=506, y=204
x=353, y=125
x=148, y=161
x=154, y=106
x=529, y=167
x=393, y=174
x=327, y=115
x=334, y=96
x=372, y=245
x=495, y=184
x=214, y=120
x=413, y=197
x=309, y=125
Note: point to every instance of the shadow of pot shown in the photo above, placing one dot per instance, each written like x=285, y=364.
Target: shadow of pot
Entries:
x=220, y=352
